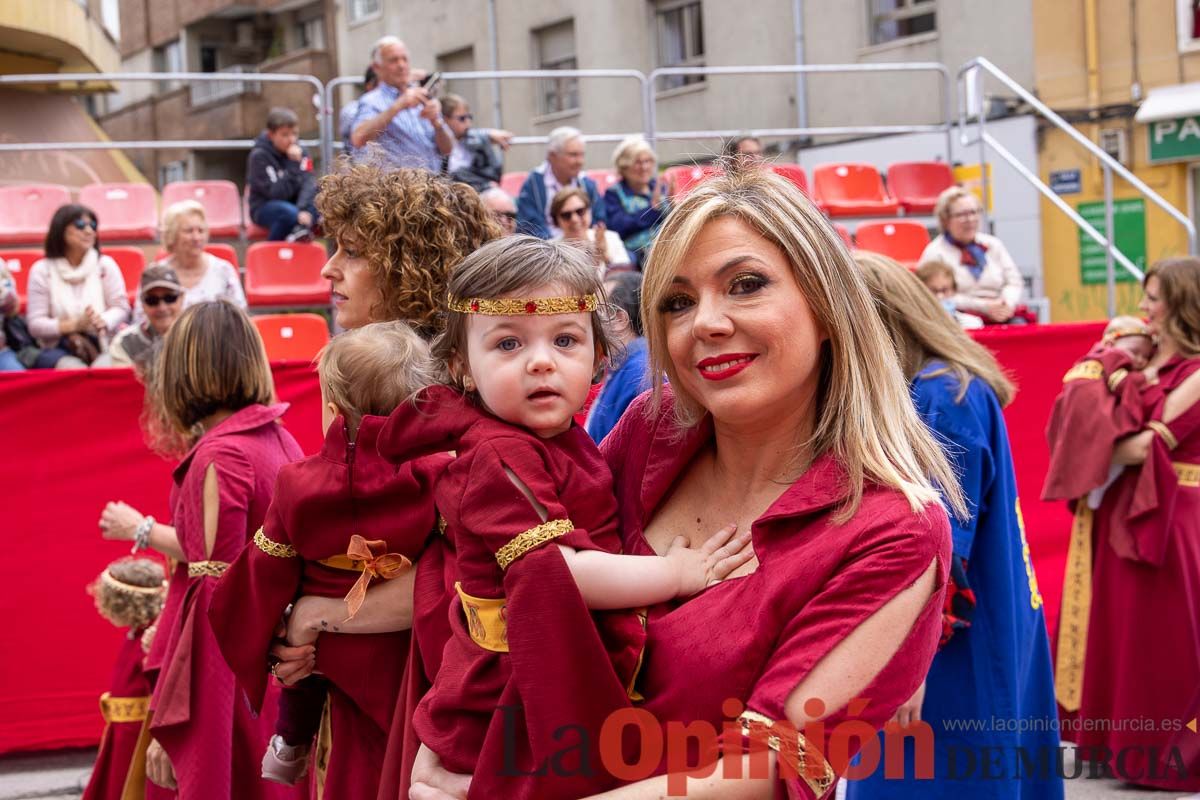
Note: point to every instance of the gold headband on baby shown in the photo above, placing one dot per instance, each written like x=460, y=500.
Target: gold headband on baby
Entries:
x=512, y=306
x=1113, y=335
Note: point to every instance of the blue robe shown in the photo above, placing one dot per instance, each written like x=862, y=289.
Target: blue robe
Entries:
x=997, y=669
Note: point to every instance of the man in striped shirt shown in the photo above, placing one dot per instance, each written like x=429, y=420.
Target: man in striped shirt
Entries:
x=404, y=121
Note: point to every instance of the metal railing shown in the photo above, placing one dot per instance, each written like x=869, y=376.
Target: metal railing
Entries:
x=974, y=71
x=211, y=91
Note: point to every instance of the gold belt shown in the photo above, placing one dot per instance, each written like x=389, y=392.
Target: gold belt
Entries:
x=211, y=569
x=486, y=620
x=343, y=562
x=1187, y=474
x=123, y=709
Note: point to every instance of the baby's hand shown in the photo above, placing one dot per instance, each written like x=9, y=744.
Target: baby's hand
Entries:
x=691, y=567
x=724, y=552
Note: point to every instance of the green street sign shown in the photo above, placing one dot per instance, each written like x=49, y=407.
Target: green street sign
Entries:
x=1174, y=139
x=1129, y=218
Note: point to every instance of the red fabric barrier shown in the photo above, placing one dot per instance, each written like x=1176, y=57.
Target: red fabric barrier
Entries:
x=71, y=442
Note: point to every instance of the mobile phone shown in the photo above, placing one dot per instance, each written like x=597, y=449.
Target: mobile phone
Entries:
x=431, y=82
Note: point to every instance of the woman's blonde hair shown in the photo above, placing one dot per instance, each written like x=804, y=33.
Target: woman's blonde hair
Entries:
x=212, y=359
x=515, y=264
x=373, y=369
x=413, y=227
x=865, y=416
x=947, y=198
x=922, y=331
x=1179, y=288
x=628, y=151
x=172, y=220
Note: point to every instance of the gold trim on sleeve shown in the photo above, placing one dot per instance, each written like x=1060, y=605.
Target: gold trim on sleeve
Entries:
x=786, y=740
x=272, y=547
x=123, y=709
x=207, y=569
x=486, y=621
x=1162, y=430
x=1115, y=379
x=1086, y=370
x=531, y=539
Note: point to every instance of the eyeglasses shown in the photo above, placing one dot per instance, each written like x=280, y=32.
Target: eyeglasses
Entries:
x=566, y=215
x=972, y=212
x=511, y=216
x=84, y=222
x=152, y=300
x=463, y=117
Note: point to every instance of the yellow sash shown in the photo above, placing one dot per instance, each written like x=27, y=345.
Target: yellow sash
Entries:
x=486, y=621
x=123, y=709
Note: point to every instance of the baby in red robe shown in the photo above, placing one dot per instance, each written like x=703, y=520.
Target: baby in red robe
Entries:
x=542, y=647
x=337, y=520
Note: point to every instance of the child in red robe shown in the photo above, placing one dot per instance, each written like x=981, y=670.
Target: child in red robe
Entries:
x=337, y=520
x=128, y=593
x=541, y=649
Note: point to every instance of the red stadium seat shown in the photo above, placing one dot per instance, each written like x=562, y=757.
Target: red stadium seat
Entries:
x=222, y=206
x=794, y=173
x=286, y=274
x=684, y=176
x=917, y=184
x=255, y=233
x=292, y=337
x=604, y=178
x=18, y=263
x=511, y=182
x=132, y=262
x=844, y=232
x=221, y=250
x=125, y=210
x=850, y=190
x=25, y=211
x=901, y=240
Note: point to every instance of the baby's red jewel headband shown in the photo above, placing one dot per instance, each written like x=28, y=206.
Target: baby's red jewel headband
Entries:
x=514, y=306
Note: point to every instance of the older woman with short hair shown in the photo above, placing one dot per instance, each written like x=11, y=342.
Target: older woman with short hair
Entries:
x=637, y=204
x=989, y=283
x=204, y=277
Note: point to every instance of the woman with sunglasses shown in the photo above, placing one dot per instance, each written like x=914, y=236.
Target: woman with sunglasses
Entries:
x=76, y=295
x=473, y=159
x=571, y=211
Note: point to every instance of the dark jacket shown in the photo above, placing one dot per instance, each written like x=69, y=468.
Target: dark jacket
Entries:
x=271, y=175
x=486, y=164
x=532, y=203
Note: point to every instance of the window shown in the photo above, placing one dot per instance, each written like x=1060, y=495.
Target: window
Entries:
x=1187, y=16
x=310, y=34
x=358, y=10
x=460, y=61
x=110, y=17
x=898, y=19
x=171, y=172
x=680, y=40
x=555, y=49
x=168, y=58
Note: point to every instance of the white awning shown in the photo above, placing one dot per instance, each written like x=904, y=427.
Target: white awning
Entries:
x=1170, y=102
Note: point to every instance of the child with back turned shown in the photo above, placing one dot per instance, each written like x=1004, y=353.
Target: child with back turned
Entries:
x=541, y=641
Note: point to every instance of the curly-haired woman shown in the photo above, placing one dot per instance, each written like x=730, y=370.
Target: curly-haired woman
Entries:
x=399, y=234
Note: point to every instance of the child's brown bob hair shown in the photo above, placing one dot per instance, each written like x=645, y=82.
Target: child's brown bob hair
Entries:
x=130, y=592
x=510, y=265
x=373, y=369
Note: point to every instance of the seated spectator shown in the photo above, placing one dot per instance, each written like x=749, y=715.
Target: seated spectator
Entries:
x=404, y=121
x=282, y=187
x=203, y=276
x=350, y=111
x=989, y=283
x=77, y=297
x=745, y=148
x=571, y=211
x=938, y=277
x=562, y=168
x=473, y=159
x=9, y=304
x=160, y=296
x=636, y=205
x=501, y=207
x=629, y=375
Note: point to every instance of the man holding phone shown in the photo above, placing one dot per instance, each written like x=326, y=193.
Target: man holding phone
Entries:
x=405, y=120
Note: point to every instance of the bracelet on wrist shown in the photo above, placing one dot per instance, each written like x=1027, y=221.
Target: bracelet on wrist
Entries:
x=141, y=537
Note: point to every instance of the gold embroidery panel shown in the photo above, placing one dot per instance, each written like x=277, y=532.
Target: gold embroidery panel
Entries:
x=272, y=547
x=1088, y=370
x=210, y=569
x=532, y=539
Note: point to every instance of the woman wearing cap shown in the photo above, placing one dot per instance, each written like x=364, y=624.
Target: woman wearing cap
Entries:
x=202, y=275
x=161, y=299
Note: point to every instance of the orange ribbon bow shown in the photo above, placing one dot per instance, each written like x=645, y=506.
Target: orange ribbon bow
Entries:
x=375, y=564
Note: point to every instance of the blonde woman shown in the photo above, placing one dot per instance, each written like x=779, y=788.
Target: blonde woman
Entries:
x=636, y=205
x=994, y=614
x=785, y=413
x=204, y=276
